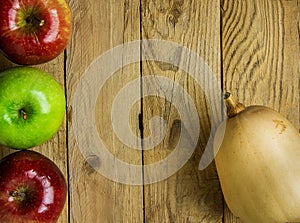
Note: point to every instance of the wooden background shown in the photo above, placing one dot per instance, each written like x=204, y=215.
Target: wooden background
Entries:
x=251, y=45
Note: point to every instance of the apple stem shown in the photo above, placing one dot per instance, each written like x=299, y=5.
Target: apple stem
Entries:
x=19, y=196
x=42, y=22
x=24, y=114
x=31, y=20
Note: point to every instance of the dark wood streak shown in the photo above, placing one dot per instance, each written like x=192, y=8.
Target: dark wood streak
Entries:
x=237, y=47
x=230, y=19
x=280, y=67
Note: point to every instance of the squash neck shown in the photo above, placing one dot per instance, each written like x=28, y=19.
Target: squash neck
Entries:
x=233, y=106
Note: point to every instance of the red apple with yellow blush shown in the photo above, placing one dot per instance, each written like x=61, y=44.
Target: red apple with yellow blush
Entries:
x=34, y=31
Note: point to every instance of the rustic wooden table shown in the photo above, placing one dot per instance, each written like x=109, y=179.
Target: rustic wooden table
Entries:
x=252, y=46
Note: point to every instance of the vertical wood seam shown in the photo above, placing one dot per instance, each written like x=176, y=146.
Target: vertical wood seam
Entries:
x=67, y=137
x=141, y=115
x=222, y=79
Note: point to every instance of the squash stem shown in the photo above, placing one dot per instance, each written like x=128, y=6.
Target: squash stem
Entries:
x=233, y=106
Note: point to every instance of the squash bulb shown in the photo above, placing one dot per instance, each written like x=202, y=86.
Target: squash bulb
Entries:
x=258, y=163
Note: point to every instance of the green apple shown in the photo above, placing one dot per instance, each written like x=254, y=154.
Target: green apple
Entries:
x=32, y=107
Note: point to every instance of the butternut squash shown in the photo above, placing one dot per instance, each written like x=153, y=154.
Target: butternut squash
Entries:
x=258, y=163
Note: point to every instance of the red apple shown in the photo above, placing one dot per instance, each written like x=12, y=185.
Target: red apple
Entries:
x=34, y=31
x=32, y=188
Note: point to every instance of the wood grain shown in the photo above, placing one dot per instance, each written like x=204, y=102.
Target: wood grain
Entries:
x=98, y=27
x=189, y=195
x=261, y=56
x=253, y=48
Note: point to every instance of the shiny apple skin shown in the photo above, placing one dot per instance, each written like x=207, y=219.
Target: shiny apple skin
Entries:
x=26, y=46
x=45, y=188
x=36, y=93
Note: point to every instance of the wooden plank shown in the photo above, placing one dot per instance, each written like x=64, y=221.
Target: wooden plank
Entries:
x=261, y=56
x=55, y=148
x=100, y=25
x=189, y=195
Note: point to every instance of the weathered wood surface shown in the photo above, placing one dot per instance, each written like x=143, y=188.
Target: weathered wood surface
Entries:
x=251, y=46
x=189, y=195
